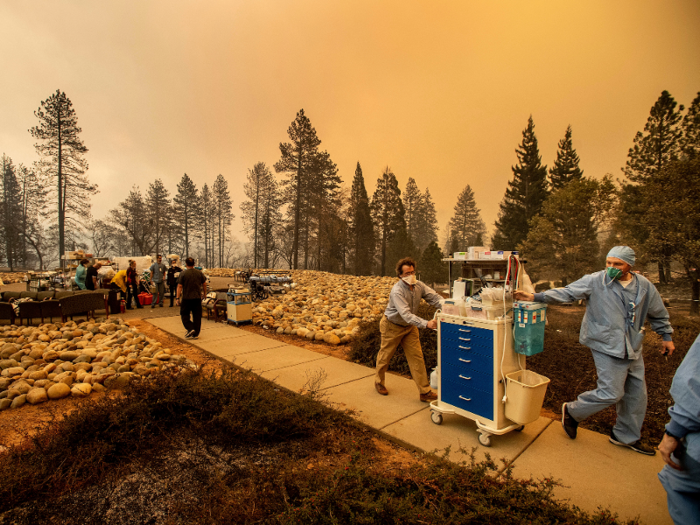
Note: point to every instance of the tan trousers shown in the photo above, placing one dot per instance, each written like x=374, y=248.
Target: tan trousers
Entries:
x=394, y=335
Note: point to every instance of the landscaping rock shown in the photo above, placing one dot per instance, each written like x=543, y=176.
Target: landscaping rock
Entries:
x=5, y=403
x=81, y=390
x=19, y=401
x=36, y=396
x=58, y=391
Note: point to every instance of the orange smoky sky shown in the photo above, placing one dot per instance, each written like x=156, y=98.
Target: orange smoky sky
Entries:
x=439, y=91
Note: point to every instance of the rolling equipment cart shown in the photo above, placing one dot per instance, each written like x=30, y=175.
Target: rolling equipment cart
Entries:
x=474, y=355
x=239, y=308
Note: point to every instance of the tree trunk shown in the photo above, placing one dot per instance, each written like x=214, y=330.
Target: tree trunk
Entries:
x=662, y=277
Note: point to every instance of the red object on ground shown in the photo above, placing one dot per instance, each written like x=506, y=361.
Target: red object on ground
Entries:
x=145, y=298
x=122, y=306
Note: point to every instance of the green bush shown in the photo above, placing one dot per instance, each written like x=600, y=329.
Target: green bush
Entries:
x=365, y=346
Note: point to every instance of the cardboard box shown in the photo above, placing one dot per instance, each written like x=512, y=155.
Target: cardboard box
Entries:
x=462, y=256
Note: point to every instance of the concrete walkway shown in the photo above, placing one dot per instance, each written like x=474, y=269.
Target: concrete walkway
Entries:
x=594, y=473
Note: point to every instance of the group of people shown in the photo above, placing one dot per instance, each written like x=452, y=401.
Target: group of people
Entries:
x=86, y=275
x=618, y=303
x=128, y=282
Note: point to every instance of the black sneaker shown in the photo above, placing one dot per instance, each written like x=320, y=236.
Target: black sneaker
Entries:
x=569, y=423
x=636, y=446
x=189, y=334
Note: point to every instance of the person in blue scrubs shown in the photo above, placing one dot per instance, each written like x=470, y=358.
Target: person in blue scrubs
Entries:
x=680, y=446
x=618, y=302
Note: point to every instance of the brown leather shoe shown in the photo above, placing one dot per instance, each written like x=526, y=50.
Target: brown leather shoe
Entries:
x=428, y=397
x=381, y=389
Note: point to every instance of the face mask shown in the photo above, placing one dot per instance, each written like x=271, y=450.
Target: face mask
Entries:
x=409, y=279
x=613, y=273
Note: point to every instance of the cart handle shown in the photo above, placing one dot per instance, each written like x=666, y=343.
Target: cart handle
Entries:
x=466, y=347
x=465, y=360
x=465, y=398
x=464, y=339
x=467, y=378
x=467, y=331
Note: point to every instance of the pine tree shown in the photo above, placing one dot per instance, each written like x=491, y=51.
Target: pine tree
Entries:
x=296, y=162
x=222, y=215
x=660, y=142
x=186, y=205
x=131, y=217
x=566, y=166
x=412, y=200
x=62, y=153
x=426, y=225
x=690, y=139
x=206, y=207
x=562, y=240
x=524, y=195
x=11, y=214
x=387, y=215
x=653, y=151
x=361, y=226
x=158, y=210
x=432, y=269
x=34, y=193
x=261, y=215
x=466, y=224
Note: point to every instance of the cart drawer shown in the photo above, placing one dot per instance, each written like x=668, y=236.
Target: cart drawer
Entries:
x=457, y=331
x=462, y=374
x=470, y=399
x=452, y=351
x=467, y=358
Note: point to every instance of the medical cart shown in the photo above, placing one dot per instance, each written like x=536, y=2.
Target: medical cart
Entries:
x=239, y=308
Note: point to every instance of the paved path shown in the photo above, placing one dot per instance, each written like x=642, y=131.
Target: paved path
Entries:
x=594, y=472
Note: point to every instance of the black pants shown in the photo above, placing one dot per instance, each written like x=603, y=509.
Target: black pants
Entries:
x=132, y=290
x=193, y=306
x=173, y=289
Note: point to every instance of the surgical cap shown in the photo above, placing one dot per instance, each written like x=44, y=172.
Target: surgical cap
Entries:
x=624, y=253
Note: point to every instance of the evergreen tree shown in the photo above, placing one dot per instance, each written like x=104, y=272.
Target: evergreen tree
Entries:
x=524, y=195
x=562, y=240
x=387, y=216
x=432, y=269
x=466, y=224
x=157, y=213
x=412, y=200
x=324, y=203
x=297, y=158
x=653, y=150
x=222, y=215
x=660, y=142
x=206, y=206
x=34, y=192
x=690, y=139
x=11, y=211
x=186, y=205
x=62, y=153
x=425, y=226
x=566, y=166
x=261, y=212
x=131, y=217
x=361, y=226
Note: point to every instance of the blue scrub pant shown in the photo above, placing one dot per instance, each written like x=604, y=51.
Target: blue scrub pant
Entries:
x=620, y=383
x=683, y=487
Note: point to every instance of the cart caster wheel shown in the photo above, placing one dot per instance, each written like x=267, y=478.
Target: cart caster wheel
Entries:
x=520, y=428
x=485, y=440
x=436, y=418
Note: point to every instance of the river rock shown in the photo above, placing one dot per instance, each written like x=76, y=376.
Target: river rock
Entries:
x=36, y=396
x=81, y=390
x=58, y=391
x=19, y=401
x=5, y=403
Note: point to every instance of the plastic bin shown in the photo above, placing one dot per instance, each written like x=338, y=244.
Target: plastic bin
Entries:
x=528, y=327
x=525, y=391
x=145, y=298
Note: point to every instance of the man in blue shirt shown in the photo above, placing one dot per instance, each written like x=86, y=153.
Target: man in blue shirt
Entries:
x=399, y=326
x=158, y=270
x=680, y=446
x=618, y=302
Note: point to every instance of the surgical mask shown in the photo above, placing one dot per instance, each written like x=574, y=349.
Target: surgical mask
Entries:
x=409, y=280
x=613, y=273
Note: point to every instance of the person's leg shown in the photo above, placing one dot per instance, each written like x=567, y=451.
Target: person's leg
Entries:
x=391, y=336
x=196, y=316
x=161, y=293
x=172, y=296
x=612, y=373
x=632, y=408
x=185, y=315
x=128, y=298
x=136, y=295
x=414, y=355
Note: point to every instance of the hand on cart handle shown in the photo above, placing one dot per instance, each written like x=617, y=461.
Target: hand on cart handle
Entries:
x=519, y=295
x=432, y=324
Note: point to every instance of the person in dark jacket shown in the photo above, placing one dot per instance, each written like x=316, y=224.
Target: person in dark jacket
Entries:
x=173, y=274
x=191, y=289
x=91, y=280
x=132, y=285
